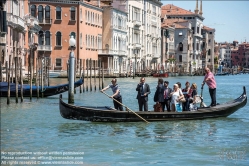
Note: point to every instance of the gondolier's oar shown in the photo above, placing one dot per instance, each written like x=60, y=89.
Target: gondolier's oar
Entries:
x=201, y=104
x=126, y=107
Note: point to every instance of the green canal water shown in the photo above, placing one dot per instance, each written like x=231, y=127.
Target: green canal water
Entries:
x=34, y=133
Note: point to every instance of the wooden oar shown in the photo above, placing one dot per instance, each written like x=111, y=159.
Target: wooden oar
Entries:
x=126, y=107
x=201, y=104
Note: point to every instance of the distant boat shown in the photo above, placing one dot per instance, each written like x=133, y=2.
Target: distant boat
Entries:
x=161, y=74
x=222, y=74
x=46, y=91
x=109, y=114
x=55, y=73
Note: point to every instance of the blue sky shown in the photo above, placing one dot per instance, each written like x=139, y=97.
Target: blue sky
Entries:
x=229, y=18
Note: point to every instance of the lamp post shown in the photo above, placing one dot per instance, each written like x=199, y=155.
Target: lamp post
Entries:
x=71, y=71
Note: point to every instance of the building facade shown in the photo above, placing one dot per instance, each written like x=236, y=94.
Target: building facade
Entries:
x=198, y=29
x=62, y=19
x=114, y=52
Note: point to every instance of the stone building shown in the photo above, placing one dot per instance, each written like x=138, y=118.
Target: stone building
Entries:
x=198, y=29
x=20, y=40
x=114, y=52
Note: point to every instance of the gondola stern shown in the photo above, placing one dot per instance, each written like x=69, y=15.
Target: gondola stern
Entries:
x=244, y=89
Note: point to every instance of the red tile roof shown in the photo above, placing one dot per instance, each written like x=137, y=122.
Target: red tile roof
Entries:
x=170, y=9
x=207, y=28
x=173, y=22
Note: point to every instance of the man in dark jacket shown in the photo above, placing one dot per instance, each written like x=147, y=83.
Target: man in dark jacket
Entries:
x=143, y=89
x=166, y=96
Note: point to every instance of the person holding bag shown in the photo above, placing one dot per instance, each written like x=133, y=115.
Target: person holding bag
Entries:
x=176, y=96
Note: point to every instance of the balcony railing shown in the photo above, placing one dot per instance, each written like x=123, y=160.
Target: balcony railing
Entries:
x=105, y=51
x=15, y=21
x=156, y=56
x=44, y=48
x=137, y=23
x=153, y=23
x=137, y=45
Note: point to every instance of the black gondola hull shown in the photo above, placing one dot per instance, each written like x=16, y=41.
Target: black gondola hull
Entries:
x=47, y=90
x=107, y=114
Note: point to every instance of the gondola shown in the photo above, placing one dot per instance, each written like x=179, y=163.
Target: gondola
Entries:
x=45, y=92
x=108, y=114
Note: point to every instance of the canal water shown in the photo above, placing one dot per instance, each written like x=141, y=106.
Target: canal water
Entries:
x=33, y=132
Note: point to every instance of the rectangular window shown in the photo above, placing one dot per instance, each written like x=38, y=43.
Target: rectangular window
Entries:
x=198, y=28
x=58, y=62
x=136, y=15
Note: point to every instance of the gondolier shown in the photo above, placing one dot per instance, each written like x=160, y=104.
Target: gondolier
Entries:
x=116, y=94
x=211, y=83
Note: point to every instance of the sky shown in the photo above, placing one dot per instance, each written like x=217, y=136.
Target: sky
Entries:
x=230, y=19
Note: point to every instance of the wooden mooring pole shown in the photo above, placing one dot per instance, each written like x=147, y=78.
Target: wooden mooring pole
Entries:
x=81, y=75
x=16, y=80
x=102, y=75
x=84, y=65
x=87, y=68
x=21, y=79
x=8, y=80
x=90, y=74
x=94, y=64
x=99, y=63
x=36, y=78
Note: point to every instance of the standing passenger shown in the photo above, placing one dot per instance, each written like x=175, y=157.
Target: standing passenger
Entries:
x=116, y=94
x=176, y=96
x=166, y=95
x=143, y=89
x=160, y=92
x=185, y=92
x=211, y=83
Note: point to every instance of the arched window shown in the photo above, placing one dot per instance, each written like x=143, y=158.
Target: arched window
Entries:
x=33, y=10
x=47, y=14
x=180, y=58
x=47, y=38
x=40, y=14
x=58, y=39
x=58, y=13
x=180, y=46
x=41, y=38
x=73, y=13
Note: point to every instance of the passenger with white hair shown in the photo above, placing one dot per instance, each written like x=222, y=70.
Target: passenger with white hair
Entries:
x=176, y=96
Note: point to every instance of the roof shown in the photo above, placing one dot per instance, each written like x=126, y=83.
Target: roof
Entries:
x=170, y=9
x=207, y=28
x=173, y=22
x=96, y=3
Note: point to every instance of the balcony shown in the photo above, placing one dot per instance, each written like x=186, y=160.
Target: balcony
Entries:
x=137, y=45
x=15, y=22
x=198, y=35
x=44, y=48
x=155, y=56
x=121, y=53
x=153, y=23
x=105, y=52
x=137, y=23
